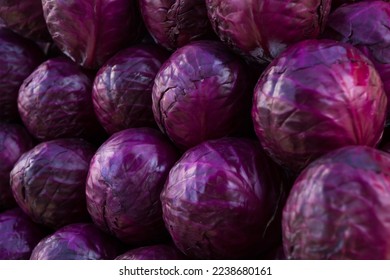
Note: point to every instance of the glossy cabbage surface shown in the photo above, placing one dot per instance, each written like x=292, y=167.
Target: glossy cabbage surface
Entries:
x=48, y=182
x=25, y=18
x=122, y=89
x=317, y=96
x=153, y=252
x=81, y=241
x=261, y=30
x=124, y=183
x=14, y=141
x=18, y=59
x=175, y=23
x=220, y=200
x=18, y=235
x=90, y=31
x=55, y=101
x=201, y=92
x=339, y=207
x=366, y=26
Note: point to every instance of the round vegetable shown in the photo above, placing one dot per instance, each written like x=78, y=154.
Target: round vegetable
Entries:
x=339, y=207
x=81, y=241
x=153, y=252
x=25, y=18
x=14, y=141
x=18, y=58
x=18, y=235
x=122, y=90
x=319, y=95
x=55, y=101
x=261, y=30
x=175, y=23
x=365, y=25
x=221, y=200
x=91, y=31
x=124, y=183
x=48, y=182
x=202, y=92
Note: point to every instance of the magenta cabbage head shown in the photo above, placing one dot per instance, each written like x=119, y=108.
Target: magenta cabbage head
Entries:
x=366, y=26
x=317, y=96
x=153, y=252
x=18, y=235
x=339, y=207
x=55, y=101
x=25, y=18
x=91, y=31
x=122, y=89
x=14, y=141
x=201, y=92
x=124, y=183
x=80, y=241
x=48, y=182
x=261, y=30
x=18, y=59
x=221, y=198
x=175, y=23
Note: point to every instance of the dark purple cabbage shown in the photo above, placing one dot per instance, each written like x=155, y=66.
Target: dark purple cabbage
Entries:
x=18, y=59
x=55, y=101
x=25, y=18
x=366, y=26
x=18, y=235
x=339, y=207
x=81, y=241
x=122, y=90
x=221, y=200
x=90, y=31
x=317, y=96
x=175, y=23
x=201, y=92
x=124, y=183
x=153, y=252
x=261, y=30
x=14, y=141
x=48, y=182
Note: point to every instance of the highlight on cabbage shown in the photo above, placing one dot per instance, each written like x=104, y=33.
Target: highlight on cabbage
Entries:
x=48, y=182
x=317, y=96
x=201, y=92
x=261, y=30
x=124, y=183
x=122, y=89
x=222, y=200
x=339, y=207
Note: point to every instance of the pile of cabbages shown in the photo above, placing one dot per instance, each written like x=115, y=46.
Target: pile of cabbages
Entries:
x=194, y=129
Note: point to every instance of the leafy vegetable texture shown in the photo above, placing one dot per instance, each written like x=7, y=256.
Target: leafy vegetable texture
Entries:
x=48, y=182
x=175, y=23
x=14, y=141
x=317, y=96
x=153, y=252
x=80, y=241
x=124, y=183
x=55, y=101
x=18, y=235
x=122, y=90
x=201, y=92
x=18, y=59
x=366, y=26
x=260, y=30
x=25, y=18
x=91, y=31
x=339, y=207
x=222, y=199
